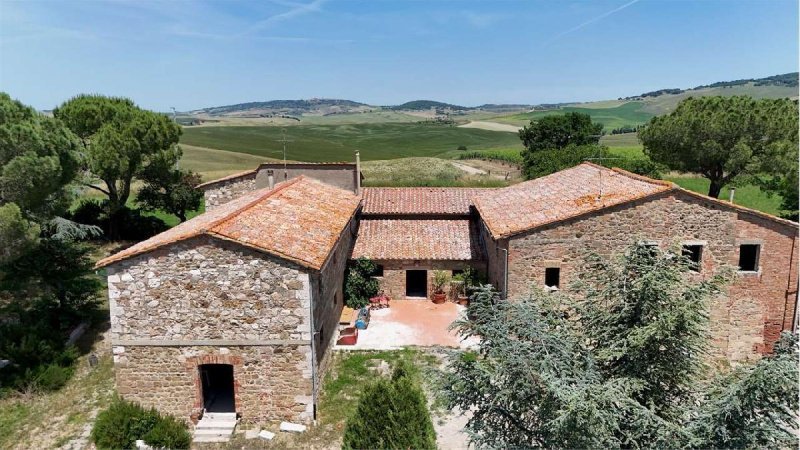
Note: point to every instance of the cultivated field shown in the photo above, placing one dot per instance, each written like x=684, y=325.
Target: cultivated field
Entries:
x=339, y=142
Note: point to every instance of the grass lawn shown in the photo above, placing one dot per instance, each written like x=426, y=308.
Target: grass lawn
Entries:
x=320, y=143
x=341, y=389
x=748, y=196
x=620, y=140
x=50, y=420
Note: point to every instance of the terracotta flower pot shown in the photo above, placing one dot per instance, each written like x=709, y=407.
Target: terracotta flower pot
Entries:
x=464, y=301
x=439, y=298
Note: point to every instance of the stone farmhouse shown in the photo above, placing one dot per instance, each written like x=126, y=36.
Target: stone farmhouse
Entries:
x=237, y=309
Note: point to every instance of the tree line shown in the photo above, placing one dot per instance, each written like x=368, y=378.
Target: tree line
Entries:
x=727, y=140
x=92, y=142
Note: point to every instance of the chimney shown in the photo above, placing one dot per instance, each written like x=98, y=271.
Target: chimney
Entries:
x=733, y=191
x=358, y=173
x=271, y=178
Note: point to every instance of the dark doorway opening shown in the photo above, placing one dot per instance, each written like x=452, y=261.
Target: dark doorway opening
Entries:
x=416, y=283
x=217, y=385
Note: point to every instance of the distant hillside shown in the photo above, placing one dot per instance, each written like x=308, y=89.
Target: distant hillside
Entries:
x=789, y=80
x=626, y=114
x=424, y=105
x=286, y=107
x=504, y=107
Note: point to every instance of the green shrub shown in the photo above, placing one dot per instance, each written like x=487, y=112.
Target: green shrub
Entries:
x=359, y=285
x=544, y=162
x=509, y=155
x=131, y=224
x=169, y=432
x=124, y=422
x=462, y=147
x=391, y=414
x=52, y=376
x=640, y=166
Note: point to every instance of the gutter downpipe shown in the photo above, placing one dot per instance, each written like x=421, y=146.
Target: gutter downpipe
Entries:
x=358, y=172
x=788, y=288
x=313, y=352
x=505, y=274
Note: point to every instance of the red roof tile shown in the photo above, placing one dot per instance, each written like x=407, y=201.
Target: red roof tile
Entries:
x=420, y=200
x=396, y=239
x=571, y=192
x=300, y=220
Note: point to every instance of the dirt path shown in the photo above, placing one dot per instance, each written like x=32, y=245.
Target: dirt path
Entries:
x=469, y=169
x=491, y=126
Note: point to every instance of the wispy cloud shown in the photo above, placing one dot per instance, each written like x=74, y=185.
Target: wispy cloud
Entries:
x=589, y=22
x=482, y=20
x=296, y=10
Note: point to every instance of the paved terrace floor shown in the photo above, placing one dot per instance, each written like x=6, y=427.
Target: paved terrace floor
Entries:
x=411, y=323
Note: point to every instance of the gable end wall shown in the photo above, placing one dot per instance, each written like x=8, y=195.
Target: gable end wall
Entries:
x=744, y=324
x=204, y=301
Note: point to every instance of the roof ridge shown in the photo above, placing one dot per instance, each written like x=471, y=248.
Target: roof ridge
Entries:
x=269, y=193
x=642, y=178
x=232, y=176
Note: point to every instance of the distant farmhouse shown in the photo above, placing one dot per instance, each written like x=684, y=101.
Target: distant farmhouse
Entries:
x=236, y=310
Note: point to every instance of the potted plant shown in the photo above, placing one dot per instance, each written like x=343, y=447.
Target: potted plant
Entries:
x=440, y=280
x=458, y=289
x=472, y=279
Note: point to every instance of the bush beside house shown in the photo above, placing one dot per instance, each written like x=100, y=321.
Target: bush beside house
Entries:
x=392, y=413
x=124, y=422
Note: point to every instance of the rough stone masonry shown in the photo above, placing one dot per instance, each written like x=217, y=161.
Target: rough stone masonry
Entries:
x=206, y=301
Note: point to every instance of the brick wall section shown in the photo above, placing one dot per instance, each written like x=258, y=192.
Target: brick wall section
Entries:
x=393, y=281
x=166, y=305
x=774, y=287
x=227, y=190
x=737, y=322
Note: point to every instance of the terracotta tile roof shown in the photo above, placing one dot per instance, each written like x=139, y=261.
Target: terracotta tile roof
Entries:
x=561, y=195
x=419, y=200
x=394, y=239
x=229, y=177
x=300, y=220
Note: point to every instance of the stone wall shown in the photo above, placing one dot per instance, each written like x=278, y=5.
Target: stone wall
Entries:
x=329, y=297
x=340, y=175
x=393, y=281
x=737, y=322
x=204, y=288
x=227, y=190
x=495, y=258
x=271, y=383
x=212, y=300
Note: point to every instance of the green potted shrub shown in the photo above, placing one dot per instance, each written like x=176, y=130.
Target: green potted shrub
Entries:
x=440, y=280
x=359, y=284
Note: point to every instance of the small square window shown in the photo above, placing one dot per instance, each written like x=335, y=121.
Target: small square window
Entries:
x=694, y=253
x=748, y=257
x=552, y=277
x=378, y=271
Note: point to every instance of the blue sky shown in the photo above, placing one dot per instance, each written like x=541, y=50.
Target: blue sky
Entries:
x=192, y=54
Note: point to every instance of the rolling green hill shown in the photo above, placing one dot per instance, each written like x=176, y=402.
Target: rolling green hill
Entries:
x=318, y=143
x=625, y=114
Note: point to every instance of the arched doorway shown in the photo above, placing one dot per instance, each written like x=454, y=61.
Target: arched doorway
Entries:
x=217, y=387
